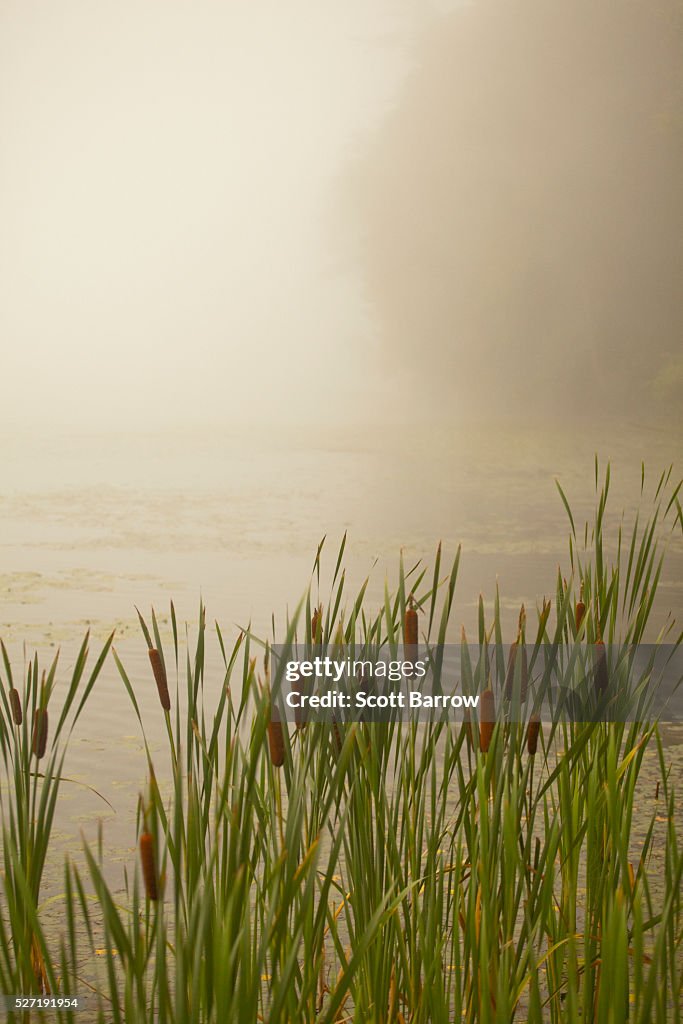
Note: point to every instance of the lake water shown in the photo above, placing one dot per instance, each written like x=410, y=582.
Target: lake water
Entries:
x=92, y=526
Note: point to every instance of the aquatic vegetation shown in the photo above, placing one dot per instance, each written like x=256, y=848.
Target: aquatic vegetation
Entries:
x=384, y=870
x=28, y=800
x=532, y=734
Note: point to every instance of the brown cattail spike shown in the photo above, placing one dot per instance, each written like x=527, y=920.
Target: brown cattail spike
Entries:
x=316, y=625
x=276, y=743
x=518, y=648
x=487, y=719
x=160, y=678
x=337, y=738
x=15, y=703
x=149, y=871
x=39, y=732
x=467, y=726
x=580, y=613
x=410, y=631
x=533, y=729
x=600, y=672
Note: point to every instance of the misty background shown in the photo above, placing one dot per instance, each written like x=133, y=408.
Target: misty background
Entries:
x=519, y=211
x=250, y=210
x=168, y=229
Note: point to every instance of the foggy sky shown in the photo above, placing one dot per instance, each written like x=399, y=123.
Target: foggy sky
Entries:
x=165, y=177
x=519, y=215
x=248, y=209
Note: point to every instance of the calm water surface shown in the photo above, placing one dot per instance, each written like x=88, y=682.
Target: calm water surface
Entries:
x=92, y=525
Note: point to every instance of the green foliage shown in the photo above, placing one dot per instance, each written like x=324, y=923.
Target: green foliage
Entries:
x=388, y=872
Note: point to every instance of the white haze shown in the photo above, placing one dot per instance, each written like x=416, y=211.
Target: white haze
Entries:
x=518, y=216
x=221, y=211
x=165, y=205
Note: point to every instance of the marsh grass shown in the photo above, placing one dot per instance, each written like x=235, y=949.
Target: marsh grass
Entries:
x=377, y=871
x=33, y=758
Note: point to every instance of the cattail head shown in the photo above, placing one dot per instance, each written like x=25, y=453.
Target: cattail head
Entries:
x=580, y=611
x=600, y=679
x=276, y=743
x=160, y=678
x=410, y=625
x=15, y=704
x=533, y=729
x=337, y=738
x=39, y=732
x=487, y=719
x=149, y=871
x=467, y=726
x=517, y=657
x=316, y=625
x=410, y=632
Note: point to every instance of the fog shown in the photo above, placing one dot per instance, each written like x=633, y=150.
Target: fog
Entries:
x=165, y=204
x=518, y=216
x=232, y=211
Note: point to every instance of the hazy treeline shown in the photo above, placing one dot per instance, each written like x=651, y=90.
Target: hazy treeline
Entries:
x=519, y=213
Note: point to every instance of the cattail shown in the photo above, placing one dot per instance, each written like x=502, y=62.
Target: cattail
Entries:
x=533, y=729
x=467, y=726
x=315, y=624
x=411, y=638
x=149, y=871
x=518, y=646
x=410, y=626
x=39, y=731
x=580, y=610
x=15, y=702
x=160, y=678
x=337, y=738
x=276, y=743
x=600, y=672
x=487, y=706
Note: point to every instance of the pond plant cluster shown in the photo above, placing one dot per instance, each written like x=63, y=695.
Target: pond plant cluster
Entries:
x=389, y=872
